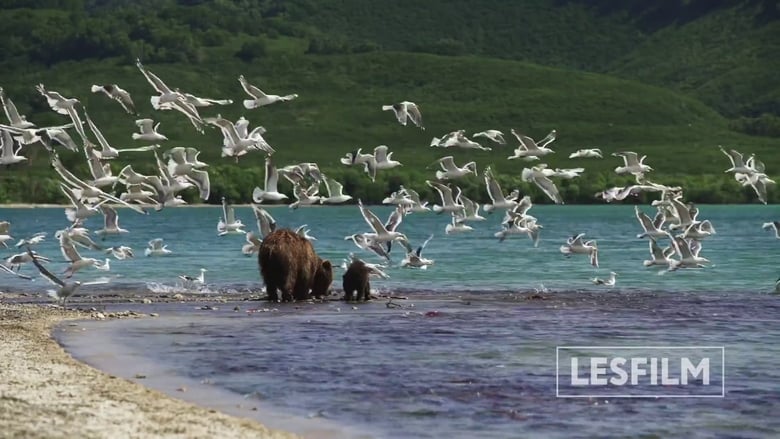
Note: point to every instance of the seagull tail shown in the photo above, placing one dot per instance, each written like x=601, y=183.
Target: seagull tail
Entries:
x=441, y=175
x=96, y=88
x=155, y=100
x=387, y=107
x=438, y=209
x=250, y=104
x=566, y=250
x=435, y=141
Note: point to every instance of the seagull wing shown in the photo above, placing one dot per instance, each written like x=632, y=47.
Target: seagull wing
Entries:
x=493, y=188
x=271, y=176
x=155, y=82
x=549, y=188
x=445, y=192
x=371, y=219
x=67, y=248
x=420, y=248
x=644, y=220
x=395, y=218
x=44, y=272
x=414, y=114
x=250, y=89
x=110, y=217
x=380, y=153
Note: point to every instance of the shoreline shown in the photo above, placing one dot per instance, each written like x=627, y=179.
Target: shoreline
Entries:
x=45, y=392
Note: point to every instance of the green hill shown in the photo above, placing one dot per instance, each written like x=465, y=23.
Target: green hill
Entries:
x=203, y=47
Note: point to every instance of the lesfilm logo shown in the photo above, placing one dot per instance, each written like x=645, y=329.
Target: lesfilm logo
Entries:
x=640, y=371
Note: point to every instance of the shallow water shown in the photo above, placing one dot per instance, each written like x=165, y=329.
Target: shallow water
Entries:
x=480, y=366
x=473, y=357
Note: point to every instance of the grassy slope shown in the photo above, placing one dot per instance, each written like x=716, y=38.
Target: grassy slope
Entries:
x=339, y=110
x=727, y=57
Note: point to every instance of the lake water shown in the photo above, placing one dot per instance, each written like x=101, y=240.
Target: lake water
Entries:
x=470, y=353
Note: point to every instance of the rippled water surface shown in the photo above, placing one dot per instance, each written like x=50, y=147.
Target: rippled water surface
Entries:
x=471, y=352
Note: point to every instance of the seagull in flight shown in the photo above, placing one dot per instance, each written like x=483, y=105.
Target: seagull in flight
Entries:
x=773, y=225
x=228, y=222
x=586, y=153
x=64, y=289
x=404, y=111
x=118, y=94
x=610, y=281
x=414, y=257
x=259, y=98
x=493, y=135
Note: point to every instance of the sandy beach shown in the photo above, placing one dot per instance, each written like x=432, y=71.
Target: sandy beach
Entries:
x=45, y=393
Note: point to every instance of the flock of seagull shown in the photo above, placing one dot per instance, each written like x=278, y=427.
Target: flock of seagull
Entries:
x=180, y=169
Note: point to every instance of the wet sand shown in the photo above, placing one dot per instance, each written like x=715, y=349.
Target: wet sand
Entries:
x=45, y=393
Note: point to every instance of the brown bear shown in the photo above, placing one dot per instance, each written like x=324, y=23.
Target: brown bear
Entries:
x=289, y=263
x=355, y=280
x=323, y=278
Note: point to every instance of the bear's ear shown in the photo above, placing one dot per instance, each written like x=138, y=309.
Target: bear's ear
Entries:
x=327, y=265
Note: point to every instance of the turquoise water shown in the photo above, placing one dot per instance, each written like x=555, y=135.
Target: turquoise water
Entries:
x=468, y=354
x=742, y=254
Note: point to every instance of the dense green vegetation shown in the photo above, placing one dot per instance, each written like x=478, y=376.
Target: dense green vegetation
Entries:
x=344, y=63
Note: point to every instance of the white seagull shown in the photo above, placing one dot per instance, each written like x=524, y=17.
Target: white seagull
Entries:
x=118, y=94
x=64, y=289
x=610, y=281
x=406, y=111
x=66, y=106
x=773, y=225
x=494, y=135
x=457, y=139
x=414, y=258
x=265, y=225
x=689, y=255
x=9, y=155
x=449, y=170
x=69, y=252
x=121, y=252
x=335, y=192
x=497, y=198
x=14, y=118
x=575, y=245
x=586, y=153
x=259, y=98
x=381, y=232
x=270, y=192
x=448, y=203
x=192, y=282
x=536, y=175
x=148, y=131
x=659, y=256
x=155, y=247
x=107, y=151
x=110, y=223
x=652, y=227
x=530, y=149
x=228, y=222
x=33, y=240
x=632, y=163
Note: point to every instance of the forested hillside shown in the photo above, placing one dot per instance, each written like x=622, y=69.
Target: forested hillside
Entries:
x=474, y=65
